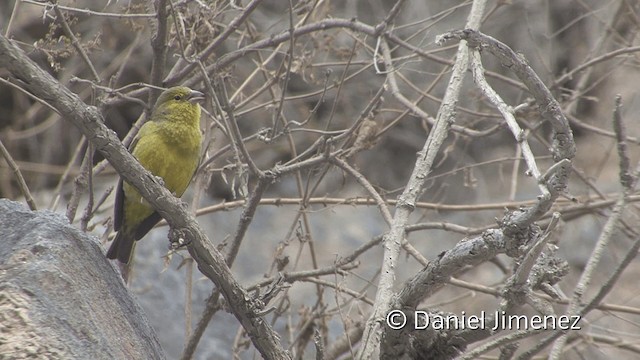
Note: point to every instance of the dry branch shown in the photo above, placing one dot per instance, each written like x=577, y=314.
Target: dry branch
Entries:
x=90, y=122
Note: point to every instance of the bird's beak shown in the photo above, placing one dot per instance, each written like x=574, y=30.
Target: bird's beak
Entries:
x=195, y=96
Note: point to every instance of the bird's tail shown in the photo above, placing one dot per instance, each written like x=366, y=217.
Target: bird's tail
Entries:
x=122, y=247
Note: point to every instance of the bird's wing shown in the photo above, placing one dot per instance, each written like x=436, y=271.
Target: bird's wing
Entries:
x=118, y=212
x=146, y=225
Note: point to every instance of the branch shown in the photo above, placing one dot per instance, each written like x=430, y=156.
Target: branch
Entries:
x=611, y=227
x=159, y=46
x=90, y=122
x=406, y=202
x=563, y=146
x=182, y=67
x=21, y=183
x=74, y=40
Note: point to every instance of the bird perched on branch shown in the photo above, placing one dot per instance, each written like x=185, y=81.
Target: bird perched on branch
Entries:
x=168, y=145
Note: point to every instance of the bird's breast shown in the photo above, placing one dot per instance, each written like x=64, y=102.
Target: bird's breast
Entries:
x=173, y=155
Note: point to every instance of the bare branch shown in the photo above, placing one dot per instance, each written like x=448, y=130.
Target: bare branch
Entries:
x=90, y=122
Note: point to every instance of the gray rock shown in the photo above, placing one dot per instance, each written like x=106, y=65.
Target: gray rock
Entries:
x=59, y=296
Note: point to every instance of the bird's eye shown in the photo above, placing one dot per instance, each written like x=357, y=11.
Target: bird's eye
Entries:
x=177, y=97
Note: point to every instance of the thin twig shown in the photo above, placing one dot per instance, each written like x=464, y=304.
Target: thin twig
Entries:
x=16, y=171
x=80, y=185
x=91, y=12
x=626, y=180
x=232, y=125
x=182, y=68
x=67, y=173
x=507, y=112
x=88, y=210
x=384, y=210
x=74, y=40
x=14, y=12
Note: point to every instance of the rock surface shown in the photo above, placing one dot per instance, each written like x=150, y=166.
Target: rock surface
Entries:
x=59, y=296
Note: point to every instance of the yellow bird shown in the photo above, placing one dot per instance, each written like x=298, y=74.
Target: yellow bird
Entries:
x=168, y=145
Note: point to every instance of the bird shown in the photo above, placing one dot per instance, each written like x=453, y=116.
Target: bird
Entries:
x=167, y=145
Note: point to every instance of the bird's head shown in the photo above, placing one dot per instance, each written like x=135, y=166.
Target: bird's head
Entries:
x=178, y=100
x=179, y=94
